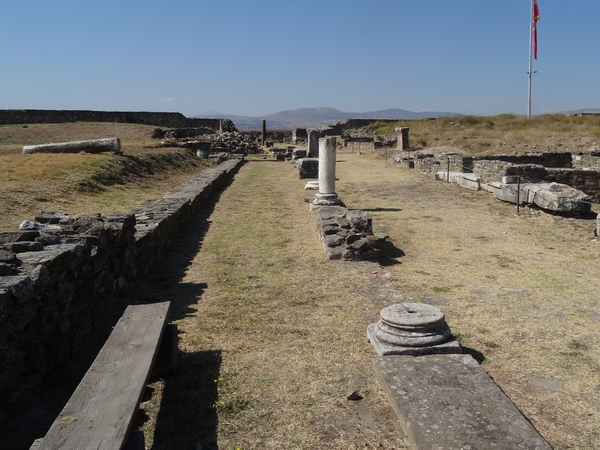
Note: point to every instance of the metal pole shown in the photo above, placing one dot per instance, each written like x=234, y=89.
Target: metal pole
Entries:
x=530, y=63
x=448, y=172
x=518, y=194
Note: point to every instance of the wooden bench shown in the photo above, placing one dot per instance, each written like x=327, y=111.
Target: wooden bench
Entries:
x=100, y=413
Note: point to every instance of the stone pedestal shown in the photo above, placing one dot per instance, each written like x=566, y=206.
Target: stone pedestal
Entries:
x=412, y=329
x=327, y=156
x=402, y=134
x=313, y=136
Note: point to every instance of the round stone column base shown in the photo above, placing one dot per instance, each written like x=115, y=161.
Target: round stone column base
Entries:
x=327, y=199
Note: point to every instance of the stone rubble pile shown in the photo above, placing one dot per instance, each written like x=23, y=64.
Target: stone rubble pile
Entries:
x=225, y=142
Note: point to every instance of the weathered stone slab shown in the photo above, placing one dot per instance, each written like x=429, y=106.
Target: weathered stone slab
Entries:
x=550, y=196
x=449, y=402
x=558, y=197
x=468, y=181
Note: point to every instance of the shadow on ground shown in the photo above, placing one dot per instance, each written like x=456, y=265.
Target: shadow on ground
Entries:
x=389, y=254
x=187, y=415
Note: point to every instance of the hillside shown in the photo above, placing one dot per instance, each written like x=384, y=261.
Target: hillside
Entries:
x=312, y=117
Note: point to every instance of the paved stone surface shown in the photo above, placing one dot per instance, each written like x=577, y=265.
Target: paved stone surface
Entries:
x=449, y=402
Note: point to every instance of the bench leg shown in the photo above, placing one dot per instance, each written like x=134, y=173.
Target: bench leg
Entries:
x=166, y=358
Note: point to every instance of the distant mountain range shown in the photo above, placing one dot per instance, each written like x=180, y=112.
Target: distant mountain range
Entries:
x=312, y=117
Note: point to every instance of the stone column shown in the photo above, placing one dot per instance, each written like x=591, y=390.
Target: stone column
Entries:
x=402, y=138
x=264, y=133
x=313, y=136
x=327, y=156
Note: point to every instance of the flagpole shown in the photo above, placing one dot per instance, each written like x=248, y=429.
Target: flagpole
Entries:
x=530, y=63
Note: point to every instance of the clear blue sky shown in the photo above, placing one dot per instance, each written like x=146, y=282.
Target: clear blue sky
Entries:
x=258, y=57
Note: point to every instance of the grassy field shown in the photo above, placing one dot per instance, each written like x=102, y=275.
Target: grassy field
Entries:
x=505, y=133
x=273, y=335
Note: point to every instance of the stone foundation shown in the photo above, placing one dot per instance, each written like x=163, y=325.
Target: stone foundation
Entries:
x=347, y=234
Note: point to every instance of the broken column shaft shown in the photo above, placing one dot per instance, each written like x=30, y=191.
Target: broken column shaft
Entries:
x=327, y=157
x=402, y=134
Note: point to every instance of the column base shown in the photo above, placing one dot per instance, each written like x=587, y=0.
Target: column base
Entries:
x=325, y=200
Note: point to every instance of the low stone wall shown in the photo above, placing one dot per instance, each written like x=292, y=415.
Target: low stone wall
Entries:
x=159, y=119
x=495, y=171
x=60, y=277
x=591, y=161
x=358, y=145
x=556, y=159
x=430, y=165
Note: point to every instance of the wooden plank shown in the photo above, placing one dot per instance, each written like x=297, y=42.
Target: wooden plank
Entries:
x=99, y=413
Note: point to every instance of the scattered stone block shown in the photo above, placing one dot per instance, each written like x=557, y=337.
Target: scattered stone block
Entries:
x=449, y=402
x=468, y=181
x=90, y=146
x=308, y=168
x=549, y=196
x=311, y=185
x=557, y=197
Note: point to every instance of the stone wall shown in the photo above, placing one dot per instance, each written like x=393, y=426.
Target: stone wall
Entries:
x=591, y=161
x=430, y=165
x=159, y=119
x=61, y=276
x=358, y=144
x=557, y=159
x=494, y=171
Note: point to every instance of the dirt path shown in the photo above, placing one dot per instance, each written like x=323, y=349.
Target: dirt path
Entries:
x=270, y=332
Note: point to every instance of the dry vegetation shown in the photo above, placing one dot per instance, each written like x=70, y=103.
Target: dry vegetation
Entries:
x=85, y=183
x=505, y=133
x=273, y=335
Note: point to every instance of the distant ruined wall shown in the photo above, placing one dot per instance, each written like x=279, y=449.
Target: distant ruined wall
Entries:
x=431, y=165
x=348, y=124
x=358, y=144
x=493, y=171
x=556, y=159
x=55, y=285
x=159, y=119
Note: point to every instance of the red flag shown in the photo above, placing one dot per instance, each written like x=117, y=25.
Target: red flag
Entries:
x=536, y=16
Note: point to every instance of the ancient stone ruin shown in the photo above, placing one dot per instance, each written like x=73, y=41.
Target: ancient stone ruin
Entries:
x=441, y=395
x=550, y=181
